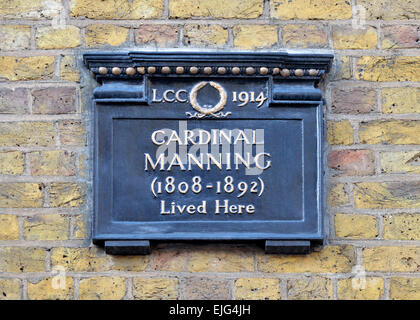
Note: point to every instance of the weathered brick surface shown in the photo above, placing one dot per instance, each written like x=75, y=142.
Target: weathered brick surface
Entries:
x=244, y=9
x=14, y=37
x=206, y=289
x=155, y=289
x=353, y=101
x=12, y=162
x=388, y=69
x=340, y=132
x=405, y=288
x=370, y=288
x=402, y=227
x=14, y=101
x=355, y=226
x=381, y=195
x=102, y=288
x=20, y=259
x=390, y=10
x=306, y=9
x=26, y=68
x=257, y=289
x=205, y=35
x=46, y=227
x=53, y=163
x=331, y=259
x=104, y=34
x=10, y=289
x=400, y=162
x=304, y=36
x=58, y=37
x=9, y=227
x=398, y=37
x=116, y=9
x=310, y=288
x=54, y=100
x=390, y=132
x=371, y=157
x=51, y=289
x=350, y=38
x=401, y=100
x=351, y=162
x=392, y=259
x=156, y=35
x=255, y=36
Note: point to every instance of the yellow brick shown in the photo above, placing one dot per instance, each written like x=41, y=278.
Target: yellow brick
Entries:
x=22, y=259
x=257, y=289
x=337, y=195
x=12, y=162
x=340, y=132
x=129, y=263
x=310, y=10
x=331, y=259
x=315, y=288
x=390, y=10
x=67, y=194
x=371, y=288
x=9, y=228
x=27, y=134
x=402, y=227
x=215, y=259
x=245, y=9
x=21, y=195
x=15, y=37
x=105, y=34
x=390, y=132
x=17, y=9
x=304, y=36
x=404, y=288
x=391, y=259
x=53, y=163
x=155, y=289
x=46, y=227
x=27, y=68
x=83, y=169
x=205, y=35
x=80, y=259
x=350, y=38
x=388, y=69
x=401, y=100
x=116, y=9
x=400, y=162
x=10, y=289
x=79, y=228
x=254, y=36
x=68, y=69
x=377, y=195
x=55, y=288
x=72, y=133
x=355, y=226
x=102, y=288
x=343, y=68
x=58, y=37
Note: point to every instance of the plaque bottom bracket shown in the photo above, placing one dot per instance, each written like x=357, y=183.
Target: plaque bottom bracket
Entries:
x=142, y=247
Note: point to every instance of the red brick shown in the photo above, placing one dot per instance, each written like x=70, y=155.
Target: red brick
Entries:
x=54, y=100
x=158, y=35
x=351, y=162
x=14, y=101
x=353, y=101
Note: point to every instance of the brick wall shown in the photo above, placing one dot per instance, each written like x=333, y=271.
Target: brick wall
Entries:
x=373, y=161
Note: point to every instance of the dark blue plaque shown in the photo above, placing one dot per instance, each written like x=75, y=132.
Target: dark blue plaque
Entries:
x=208, y=146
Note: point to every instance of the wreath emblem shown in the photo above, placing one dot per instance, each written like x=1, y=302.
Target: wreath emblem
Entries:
x=203, y=111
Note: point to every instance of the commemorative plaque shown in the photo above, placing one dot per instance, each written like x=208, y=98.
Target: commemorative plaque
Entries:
x=208, y=146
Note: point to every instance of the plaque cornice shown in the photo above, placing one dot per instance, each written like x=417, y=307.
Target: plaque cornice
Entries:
x=293, y=75
x=279, y=65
